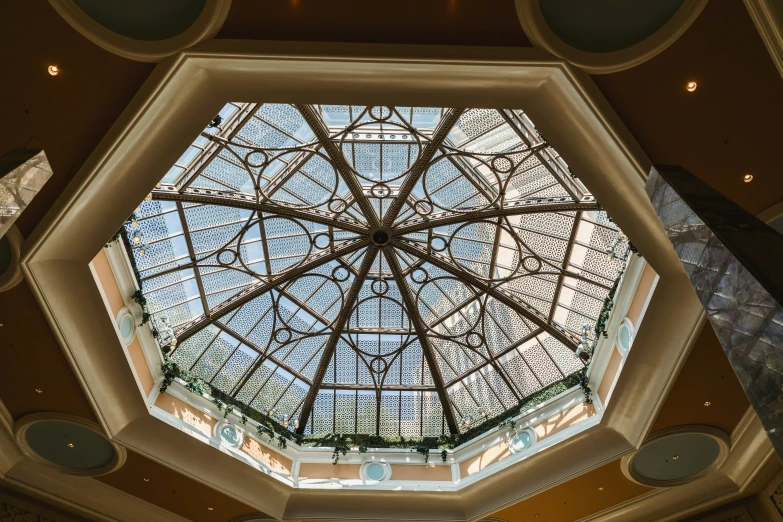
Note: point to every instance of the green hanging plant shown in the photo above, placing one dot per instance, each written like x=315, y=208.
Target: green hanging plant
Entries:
x=424, y=450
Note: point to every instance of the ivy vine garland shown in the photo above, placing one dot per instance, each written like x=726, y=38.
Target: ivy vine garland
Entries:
x=342, y=443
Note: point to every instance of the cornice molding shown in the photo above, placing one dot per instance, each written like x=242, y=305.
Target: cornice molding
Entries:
x=769, y=24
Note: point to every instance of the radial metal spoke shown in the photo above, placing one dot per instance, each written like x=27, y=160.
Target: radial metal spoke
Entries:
x=228, y=130
x=334, y=338
x=247, y=201
x=189, y=328
x=525, y=310
x=346, y=172
x=421, y=333
x=511, y=208
x=420, y=166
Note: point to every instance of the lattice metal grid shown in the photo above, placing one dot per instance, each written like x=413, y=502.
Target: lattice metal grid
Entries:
x=383, y=270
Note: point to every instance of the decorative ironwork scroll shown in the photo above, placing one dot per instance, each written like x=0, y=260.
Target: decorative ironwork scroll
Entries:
x=735, y=263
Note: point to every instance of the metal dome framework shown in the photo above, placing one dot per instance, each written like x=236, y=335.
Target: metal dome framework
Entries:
x=385, y=270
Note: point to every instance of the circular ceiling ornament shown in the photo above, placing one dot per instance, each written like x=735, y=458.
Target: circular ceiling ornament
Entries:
x=10, y=248
x=677, y=455
x=68, y=443
x=144, y=30
x=375, y=471
x=601, y=38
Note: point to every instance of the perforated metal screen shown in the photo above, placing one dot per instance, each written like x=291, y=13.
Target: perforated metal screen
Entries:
x=375, y=269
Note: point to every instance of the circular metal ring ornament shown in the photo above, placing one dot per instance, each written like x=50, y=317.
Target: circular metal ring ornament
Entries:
x=340, y=273
x=226, y=257
x=502, y=164
x=531, y=263
x=380, y=190
x=251, y=161
x=474, y=339
x=337, y=205
x=384, y=109
x=422, y=207
x=282, y=335
x=420, y=276
x=379, y=286
x=322, y=240
x=379, y=365
x=441, y=245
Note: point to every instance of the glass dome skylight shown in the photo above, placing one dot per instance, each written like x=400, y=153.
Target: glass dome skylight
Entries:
x=380, y=270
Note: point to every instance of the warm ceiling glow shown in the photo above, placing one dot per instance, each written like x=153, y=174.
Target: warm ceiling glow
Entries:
x=747, y=178
x=38, y=390
x=675, y=457
x=691, y=86
x=210, y=509
x=70, y=445
x=146, y=479
x=707, y=403
x=53, y=70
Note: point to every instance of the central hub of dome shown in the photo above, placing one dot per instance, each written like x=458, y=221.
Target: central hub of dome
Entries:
x=380, y=237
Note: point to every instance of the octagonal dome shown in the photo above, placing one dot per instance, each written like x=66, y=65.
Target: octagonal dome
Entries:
x=393, y=271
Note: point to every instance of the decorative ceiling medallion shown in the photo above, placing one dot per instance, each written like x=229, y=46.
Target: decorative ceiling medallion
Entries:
x=677, y=455
x=625, y=51
x=375, y=471
x=150, y=41
x=68, y=443
x=229, y=435
x=394, y=271
x=10, y=249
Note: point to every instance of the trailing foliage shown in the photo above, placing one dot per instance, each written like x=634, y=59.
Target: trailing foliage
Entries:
x=342, y=443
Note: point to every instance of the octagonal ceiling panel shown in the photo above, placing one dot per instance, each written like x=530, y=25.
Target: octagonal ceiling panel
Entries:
x=400, y=271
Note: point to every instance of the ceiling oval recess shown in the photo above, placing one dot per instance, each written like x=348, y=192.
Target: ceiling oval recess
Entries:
x=386, y=271
x=677, y=456
x=68, y=443
x=144, y=30
x=606, y=36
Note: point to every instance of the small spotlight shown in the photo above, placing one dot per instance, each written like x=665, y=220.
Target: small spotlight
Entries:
x=601, y=488
x=38, y=390
x=210, y=508
x=70, y=445
x=747, y=178
x=53, y=70
x=146, y=479
x=675, y=457
x=707, y=403
x=691, y=86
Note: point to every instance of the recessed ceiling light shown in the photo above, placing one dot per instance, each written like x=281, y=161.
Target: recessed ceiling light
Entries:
x=146, y=479
x=747, y=178
x=38, y=390
x=691, y=86
x=707, y=403
x=601, y=488
x=210, y=509
x=53, y=70
x=70, y=445
x=675, y=457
